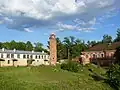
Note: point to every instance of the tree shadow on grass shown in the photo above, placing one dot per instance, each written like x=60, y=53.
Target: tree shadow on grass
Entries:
x=95, y=76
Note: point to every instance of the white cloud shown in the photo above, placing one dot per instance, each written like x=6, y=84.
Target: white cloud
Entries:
x=22, y=14
x=27, y=30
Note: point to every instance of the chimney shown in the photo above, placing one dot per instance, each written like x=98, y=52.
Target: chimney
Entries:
x=32, y=51
x=43, y=52
x=14, y=50
x=3, y=49
x=53, y=49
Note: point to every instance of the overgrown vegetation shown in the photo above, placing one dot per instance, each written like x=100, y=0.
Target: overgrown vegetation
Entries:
x=113, y=77
x=70, y=66
x=50, y=78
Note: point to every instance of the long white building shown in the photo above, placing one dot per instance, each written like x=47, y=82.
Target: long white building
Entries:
x=21, y=58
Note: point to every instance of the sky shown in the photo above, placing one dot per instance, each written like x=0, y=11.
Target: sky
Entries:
x=35, y=20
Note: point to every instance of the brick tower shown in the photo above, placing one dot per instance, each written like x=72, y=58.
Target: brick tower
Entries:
x=53, y=49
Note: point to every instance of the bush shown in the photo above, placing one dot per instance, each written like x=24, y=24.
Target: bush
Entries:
x=70, y=66
x=113, y=77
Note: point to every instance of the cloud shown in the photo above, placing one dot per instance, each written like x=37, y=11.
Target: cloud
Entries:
x=27, y=30
x=82, y=15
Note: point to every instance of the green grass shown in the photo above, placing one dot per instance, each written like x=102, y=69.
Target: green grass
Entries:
x=50, y=78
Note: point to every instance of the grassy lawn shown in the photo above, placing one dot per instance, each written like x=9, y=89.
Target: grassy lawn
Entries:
x=49, y=78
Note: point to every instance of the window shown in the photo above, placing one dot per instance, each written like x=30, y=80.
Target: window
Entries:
x=1, y=55
x=12, y=55
x=94, y=55
x=31, y=56
x=8, y=61
x=27, y=56
x=36, y=56
x=102, y=55
x=39, y=56
x=42, y=56
x=24, y=56
x=8, y=55
x=18, y=55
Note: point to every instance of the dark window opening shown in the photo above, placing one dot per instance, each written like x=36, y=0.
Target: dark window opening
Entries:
x=36, y=56
x=8, y=61
x=24, y=56
x=18, y=55
x=27, y=56
x=8, y=55
x=12, y=55
x=1, y=55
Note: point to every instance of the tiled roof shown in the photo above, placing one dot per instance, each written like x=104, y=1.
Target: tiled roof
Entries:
x=21, y=52
x=100, y=47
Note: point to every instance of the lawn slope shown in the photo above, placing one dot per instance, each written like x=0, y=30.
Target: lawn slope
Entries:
x=50, y=78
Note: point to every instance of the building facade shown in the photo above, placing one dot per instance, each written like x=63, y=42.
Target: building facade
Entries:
x=102, y=54
x=21, y=58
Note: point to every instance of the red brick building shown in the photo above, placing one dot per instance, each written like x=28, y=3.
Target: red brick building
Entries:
x=102, y=54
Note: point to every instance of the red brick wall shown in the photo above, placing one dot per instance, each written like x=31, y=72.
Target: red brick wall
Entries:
x=53, y=50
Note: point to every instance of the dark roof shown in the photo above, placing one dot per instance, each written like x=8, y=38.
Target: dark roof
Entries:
x=106, y=46
x=22, y=52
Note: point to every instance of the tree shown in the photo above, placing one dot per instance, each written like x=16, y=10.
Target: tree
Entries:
x=29, y=46
x=69, y=42
x=117, y=55
x=74, y=46
x=107, y=39
x=113, y=77
x=117, y=39
x=91, y=43
x=21, y=46
x=38, y=47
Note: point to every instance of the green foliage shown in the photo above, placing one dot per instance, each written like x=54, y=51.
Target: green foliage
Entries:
x=38, y=46
x=107, y=39
x=70, y=66
x=113, y=77
x=117, y=39
x=117, y=55
x=28, y=46
x=47, y=78
x=91, y=43
x=69, y=48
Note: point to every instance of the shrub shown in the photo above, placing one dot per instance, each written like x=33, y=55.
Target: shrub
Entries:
x=113, y=77
x=70, y=66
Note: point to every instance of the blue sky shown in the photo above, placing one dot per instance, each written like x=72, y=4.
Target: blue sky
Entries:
x=84, y=19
